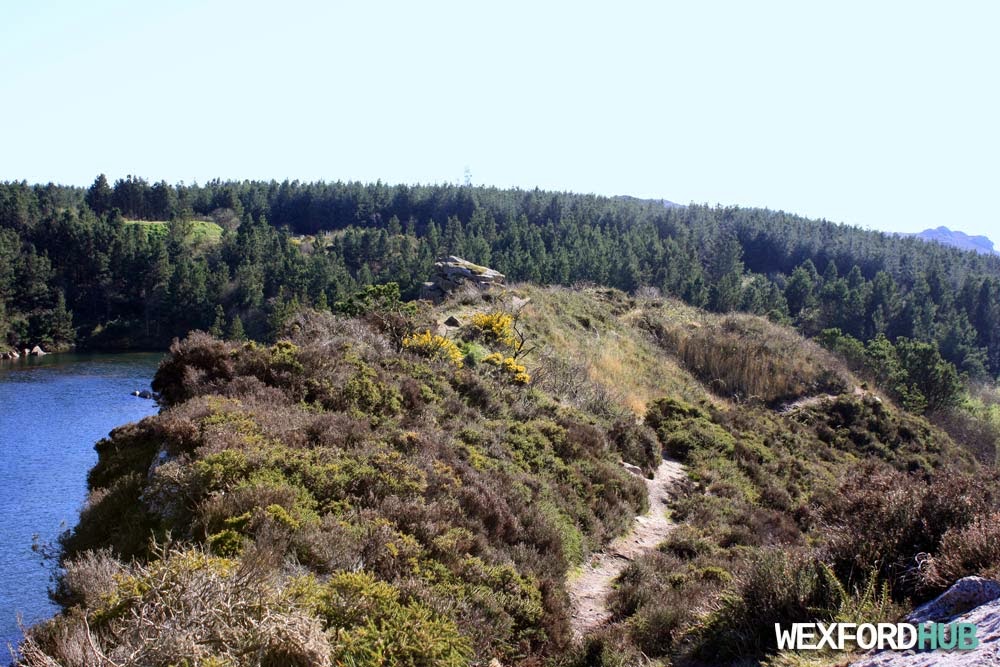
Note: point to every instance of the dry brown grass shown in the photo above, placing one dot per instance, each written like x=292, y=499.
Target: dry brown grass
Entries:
x=595, y=332
x=747, y=358
x=185, y=608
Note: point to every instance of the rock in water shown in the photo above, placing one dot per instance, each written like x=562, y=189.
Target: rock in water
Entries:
x=452, y=272
x=37, y=351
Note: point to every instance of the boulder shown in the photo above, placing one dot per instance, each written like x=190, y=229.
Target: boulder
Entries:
x=453, y=272
x=452, y=321
x=965, y=594
x=970, y=600
x=37, y=351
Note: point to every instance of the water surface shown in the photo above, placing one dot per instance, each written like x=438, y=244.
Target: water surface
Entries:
x=52, y=411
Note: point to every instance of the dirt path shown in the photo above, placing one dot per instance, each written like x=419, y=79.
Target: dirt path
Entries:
x=589, y=586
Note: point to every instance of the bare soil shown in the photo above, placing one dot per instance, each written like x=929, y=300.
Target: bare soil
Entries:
x=589, y=586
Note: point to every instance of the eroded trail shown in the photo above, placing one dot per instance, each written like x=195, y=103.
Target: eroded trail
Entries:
x=589, y=588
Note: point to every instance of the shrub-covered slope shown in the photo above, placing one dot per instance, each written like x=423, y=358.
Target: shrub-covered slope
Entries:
x=382, y=489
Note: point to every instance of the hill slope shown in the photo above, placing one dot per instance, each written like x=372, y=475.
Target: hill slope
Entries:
x=957, y=239
x=387, y=489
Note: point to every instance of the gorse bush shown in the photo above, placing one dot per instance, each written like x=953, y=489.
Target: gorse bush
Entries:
x=495, y=327
x=433, y=346
x=508, y=367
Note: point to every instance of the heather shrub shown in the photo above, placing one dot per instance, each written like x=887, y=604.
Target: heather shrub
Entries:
x=973, y=548
x=605, y=648
x=777, y=587
x=636, y=443
x=874, y=521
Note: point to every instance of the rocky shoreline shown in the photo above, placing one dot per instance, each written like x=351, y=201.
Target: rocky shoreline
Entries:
x=12, y=354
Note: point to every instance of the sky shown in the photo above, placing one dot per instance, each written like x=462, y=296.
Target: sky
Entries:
x=878, y=114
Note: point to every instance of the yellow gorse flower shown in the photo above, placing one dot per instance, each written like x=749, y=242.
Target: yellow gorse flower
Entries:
x=496, y=327
x=515, y=372
x=433, y=346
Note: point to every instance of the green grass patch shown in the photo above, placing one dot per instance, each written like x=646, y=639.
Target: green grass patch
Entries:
x=202, y=231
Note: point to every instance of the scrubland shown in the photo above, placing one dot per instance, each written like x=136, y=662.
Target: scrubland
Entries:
x=381, y=489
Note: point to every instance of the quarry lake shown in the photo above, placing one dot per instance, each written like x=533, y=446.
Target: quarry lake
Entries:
x=52, y=411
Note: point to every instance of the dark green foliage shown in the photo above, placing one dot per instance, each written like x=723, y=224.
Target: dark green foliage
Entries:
x=914, y=372
x=129, y=288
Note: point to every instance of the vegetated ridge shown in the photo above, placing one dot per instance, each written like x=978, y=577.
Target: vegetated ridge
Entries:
x=133, y=264
x=379, y=487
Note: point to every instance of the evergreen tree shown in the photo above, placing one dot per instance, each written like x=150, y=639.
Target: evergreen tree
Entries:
x=219, y=323
x=800, y=292
x=236, y=332
x=99, y=195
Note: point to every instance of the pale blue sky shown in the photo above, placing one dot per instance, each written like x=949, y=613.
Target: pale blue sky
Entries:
x=882, y=114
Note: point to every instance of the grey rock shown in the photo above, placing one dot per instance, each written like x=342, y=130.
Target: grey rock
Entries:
x=970, y=600
x=37, y=351
x=634, y=469
x=452, y=272
x=965, y=594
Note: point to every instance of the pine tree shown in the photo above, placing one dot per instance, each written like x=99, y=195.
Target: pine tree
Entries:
x=59, y=322
x=236, y=332
x=800, y=292
x=219, y=323
x=98, y=196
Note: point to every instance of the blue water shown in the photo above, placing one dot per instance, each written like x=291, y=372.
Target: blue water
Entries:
x=52, y=411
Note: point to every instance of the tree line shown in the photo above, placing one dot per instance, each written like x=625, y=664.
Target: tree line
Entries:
x=75, y=268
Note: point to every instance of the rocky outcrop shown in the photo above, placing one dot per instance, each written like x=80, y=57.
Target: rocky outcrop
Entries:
x=37, y=351
x=453, y=272
x=10, y=355
x=970, y=600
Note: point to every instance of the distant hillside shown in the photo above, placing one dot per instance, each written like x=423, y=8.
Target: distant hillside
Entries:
x=957, y=239
x=666, y=203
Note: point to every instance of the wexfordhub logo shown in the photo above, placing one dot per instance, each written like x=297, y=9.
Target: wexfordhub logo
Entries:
x=866, y=636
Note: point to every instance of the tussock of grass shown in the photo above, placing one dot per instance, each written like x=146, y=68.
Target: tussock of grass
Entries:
x=748, y=358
